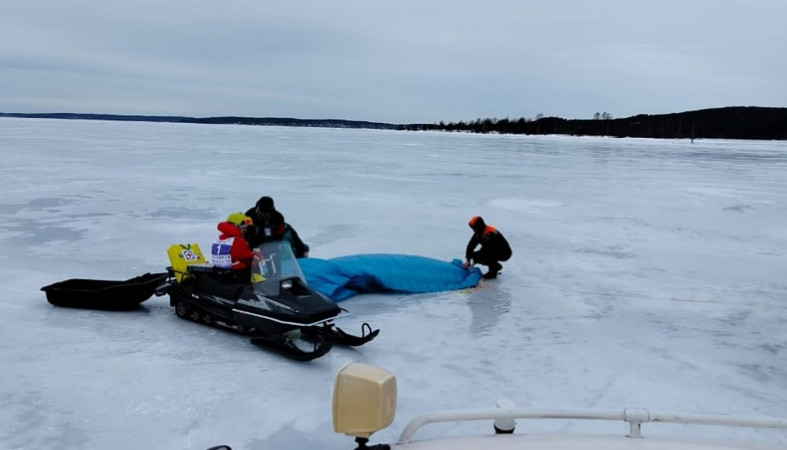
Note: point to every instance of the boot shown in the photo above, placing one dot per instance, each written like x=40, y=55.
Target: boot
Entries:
x=494, y=268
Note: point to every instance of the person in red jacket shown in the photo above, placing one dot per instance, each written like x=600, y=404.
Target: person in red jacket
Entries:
x=494, y=247
x=230, y=250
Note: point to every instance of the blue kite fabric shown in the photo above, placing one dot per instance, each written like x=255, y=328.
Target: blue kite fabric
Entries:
x=345, y=276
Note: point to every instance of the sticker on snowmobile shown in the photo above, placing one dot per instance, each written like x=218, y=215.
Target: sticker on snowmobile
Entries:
x=190, y=255
x=183, y=255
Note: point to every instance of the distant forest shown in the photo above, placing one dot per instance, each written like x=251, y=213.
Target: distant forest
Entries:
x=230, y=120
x=734, y=122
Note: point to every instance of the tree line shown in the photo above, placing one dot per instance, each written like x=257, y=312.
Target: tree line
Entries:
x=734, y=122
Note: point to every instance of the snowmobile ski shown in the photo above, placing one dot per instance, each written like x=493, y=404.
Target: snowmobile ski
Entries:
x=284, y=346
x=335, y=335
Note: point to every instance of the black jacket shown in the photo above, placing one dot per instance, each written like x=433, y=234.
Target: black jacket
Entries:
x=493, y=245
x=273, y=228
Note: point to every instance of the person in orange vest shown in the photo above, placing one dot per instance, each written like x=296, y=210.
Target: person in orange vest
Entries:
x=494, y=248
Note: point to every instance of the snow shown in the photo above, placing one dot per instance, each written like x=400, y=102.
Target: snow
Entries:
x=646, y=273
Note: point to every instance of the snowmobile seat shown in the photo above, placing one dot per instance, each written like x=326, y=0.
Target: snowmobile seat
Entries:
x=201, y=268
x=222, y=274
x=226, y=283
x=230, y=290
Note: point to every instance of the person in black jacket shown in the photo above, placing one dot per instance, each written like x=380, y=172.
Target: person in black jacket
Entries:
x=494, y=248
x=269, y=225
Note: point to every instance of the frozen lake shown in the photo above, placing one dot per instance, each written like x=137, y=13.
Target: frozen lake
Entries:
x=646, y=273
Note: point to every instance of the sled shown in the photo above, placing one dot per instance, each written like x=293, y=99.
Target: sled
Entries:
x=110, y=295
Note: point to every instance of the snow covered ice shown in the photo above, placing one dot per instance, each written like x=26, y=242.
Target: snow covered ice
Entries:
x=646, y=273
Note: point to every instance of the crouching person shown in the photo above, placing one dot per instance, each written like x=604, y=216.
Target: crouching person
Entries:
x=494, y=247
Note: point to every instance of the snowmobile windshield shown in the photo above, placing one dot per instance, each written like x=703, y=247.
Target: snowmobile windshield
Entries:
x=274, y=262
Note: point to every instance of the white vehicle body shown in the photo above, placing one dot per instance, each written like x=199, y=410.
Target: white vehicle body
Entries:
x=634, y=439
x=364, y=401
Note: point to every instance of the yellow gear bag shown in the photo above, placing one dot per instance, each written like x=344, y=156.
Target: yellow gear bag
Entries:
x=183, y=255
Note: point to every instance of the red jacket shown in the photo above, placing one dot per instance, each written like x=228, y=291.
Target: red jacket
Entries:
x=240, y=252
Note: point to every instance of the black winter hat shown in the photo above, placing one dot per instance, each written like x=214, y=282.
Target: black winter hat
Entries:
x=265, y=204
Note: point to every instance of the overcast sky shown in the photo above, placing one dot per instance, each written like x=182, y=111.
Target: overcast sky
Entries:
x=398, y=61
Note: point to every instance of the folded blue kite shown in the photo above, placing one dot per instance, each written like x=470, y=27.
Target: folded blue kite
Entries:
x=343, y=277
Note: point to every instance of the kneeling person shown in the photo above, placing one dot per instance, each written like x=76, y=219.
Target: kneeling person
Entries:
x=494, y=247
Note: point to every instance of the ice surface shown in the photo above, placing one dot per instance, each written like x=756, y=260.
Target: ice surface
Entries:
x=646, y=273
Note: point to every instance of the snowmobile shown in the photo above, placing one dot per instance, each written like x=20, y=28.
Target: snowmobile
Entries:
x=271, y=303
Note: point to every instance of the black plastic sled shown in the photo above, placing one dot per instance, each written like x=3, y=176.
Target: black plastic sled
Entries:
x=108, y=295
x=271, y=303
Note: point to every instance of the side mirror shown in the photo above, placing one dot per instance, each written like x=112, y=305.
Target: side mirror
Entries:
x=364, y=401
